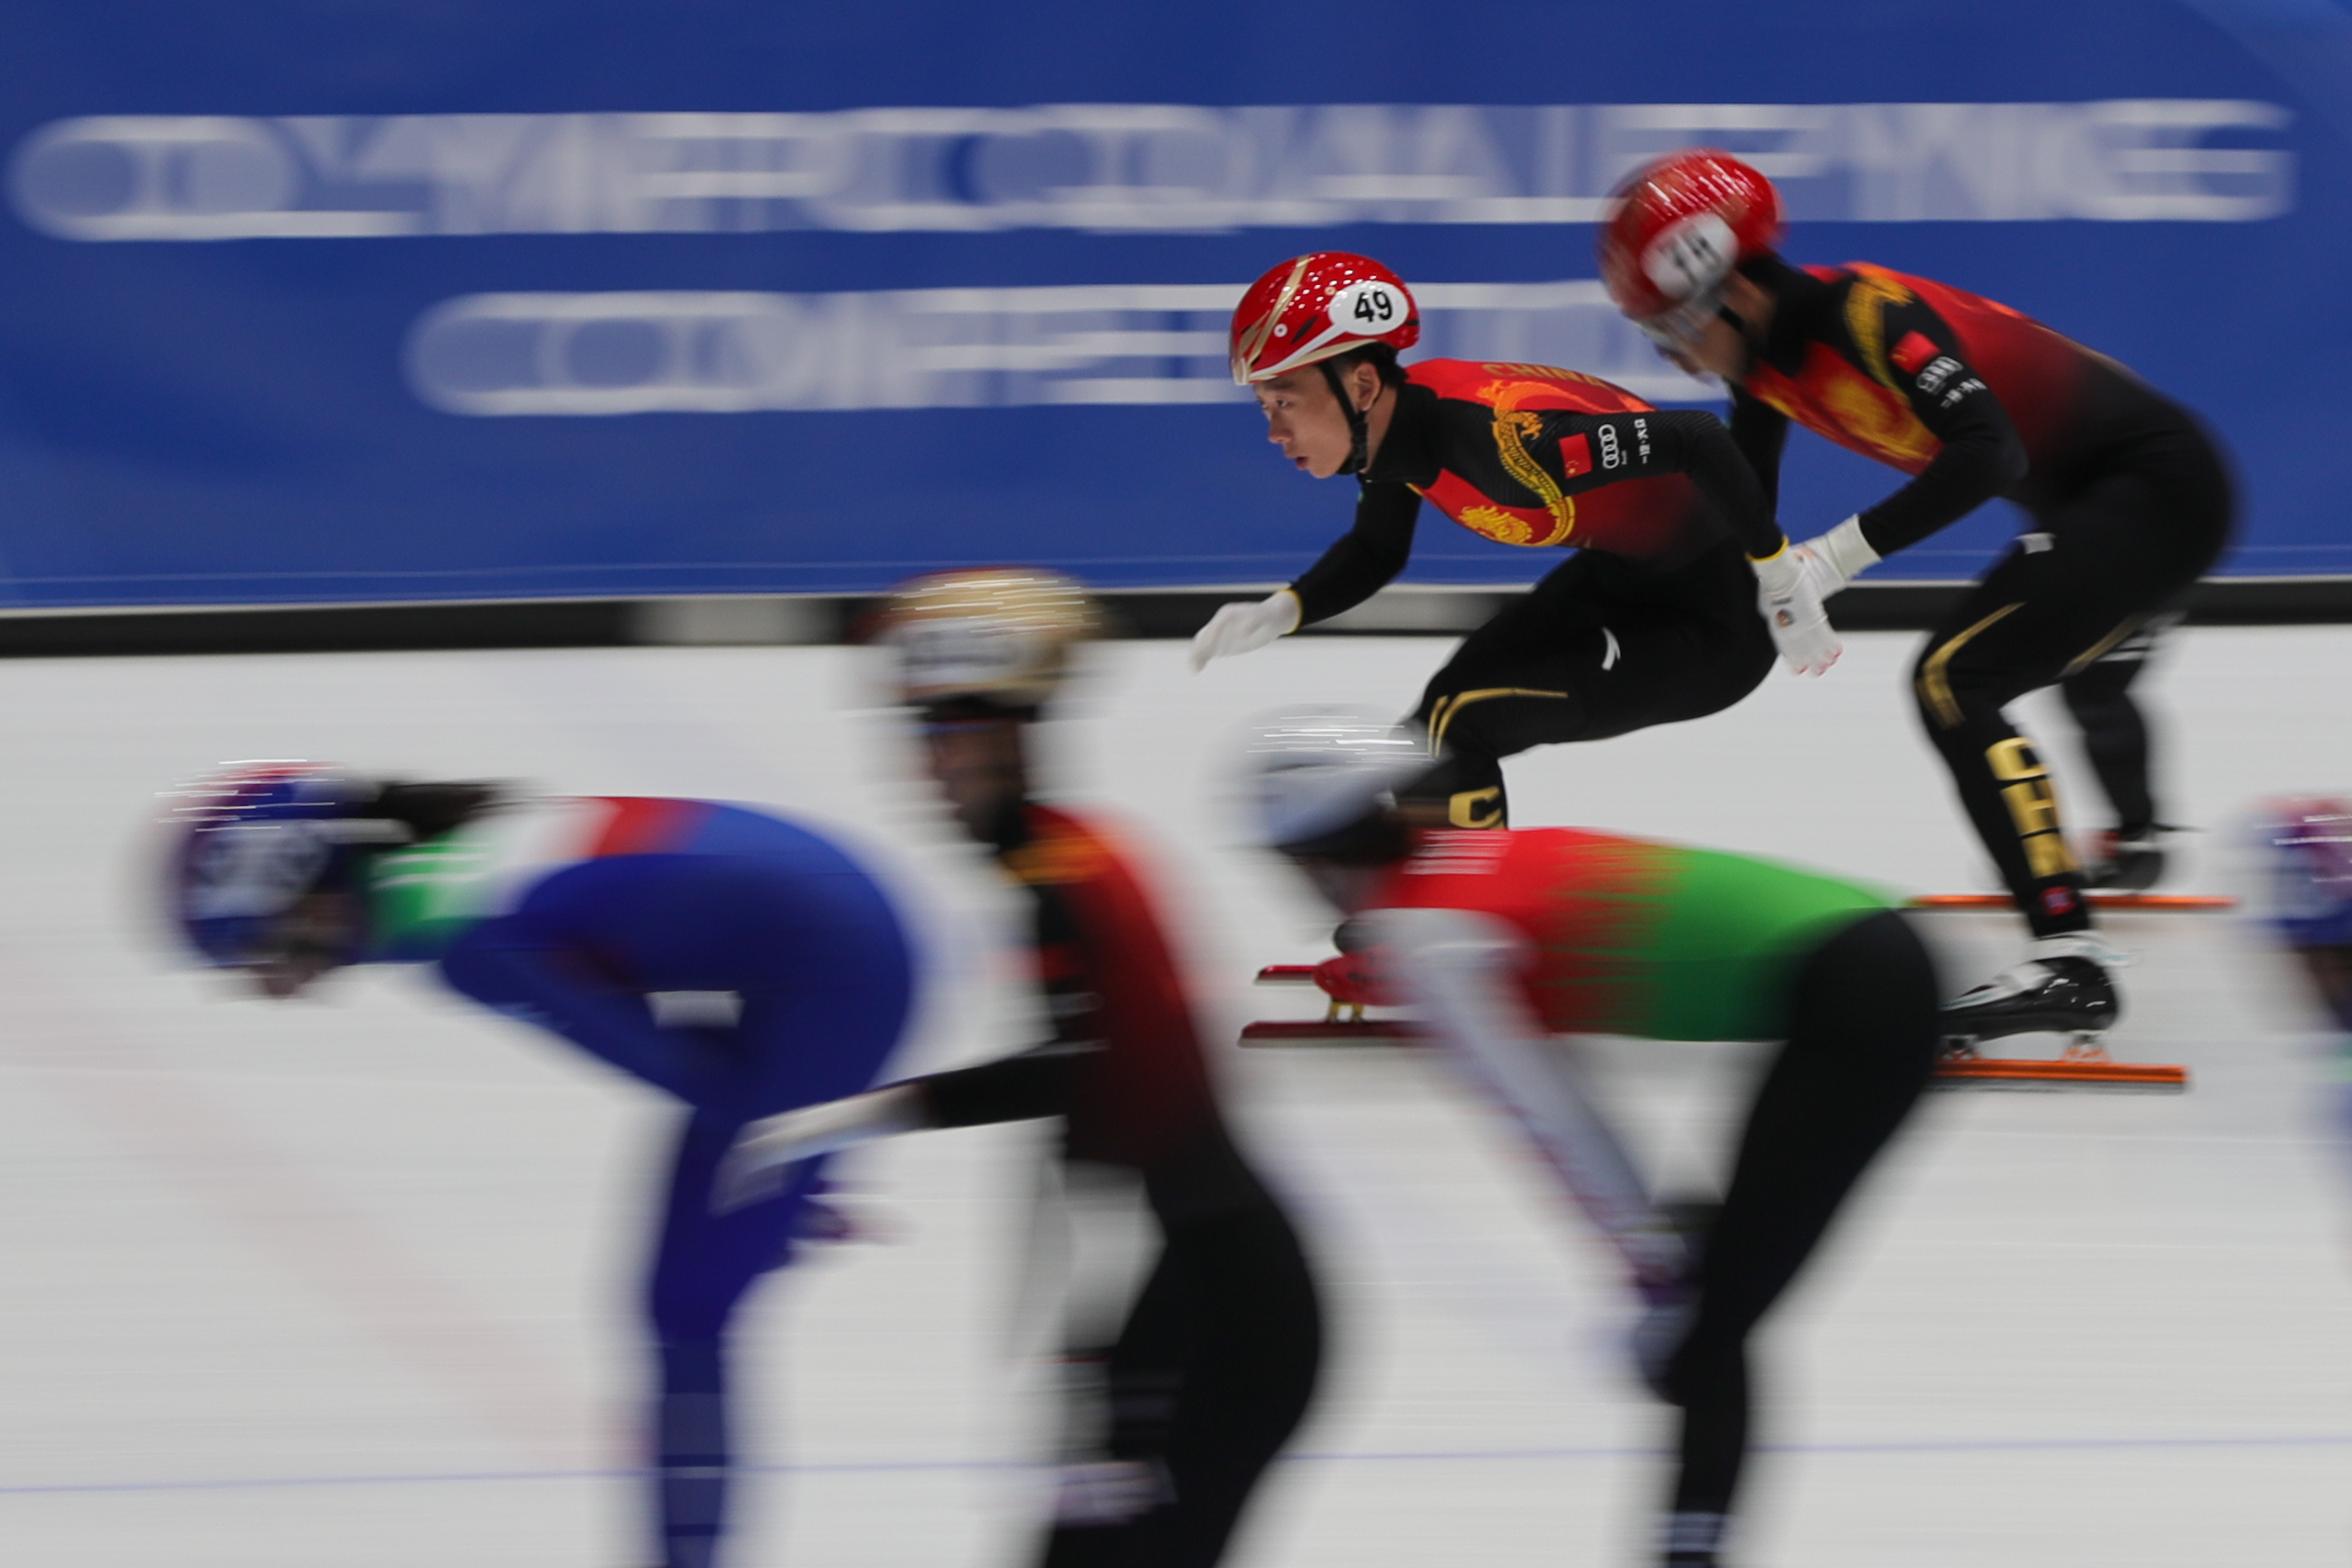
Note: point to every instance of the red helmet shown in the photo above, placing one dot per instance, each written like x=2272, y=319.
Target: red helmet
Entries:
x=1679, y=226
x=1313, y=307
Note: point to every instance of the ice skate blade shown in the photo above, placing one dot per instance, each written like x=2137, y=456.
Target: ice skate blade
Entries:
x=2015, y=1074
x=2032, y=1074
x=1334, y=1032
x=2145, y=903
x=2083, y=1064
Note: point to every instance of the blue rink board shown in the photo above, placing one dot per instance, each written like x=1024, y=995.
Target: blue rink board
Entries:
x=438, y=301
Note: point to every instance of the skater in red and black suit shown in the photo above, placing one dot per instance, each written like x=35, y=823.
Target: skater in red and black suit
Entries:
x=2128, y=497
x=1653, y=618
x=1197, y=1390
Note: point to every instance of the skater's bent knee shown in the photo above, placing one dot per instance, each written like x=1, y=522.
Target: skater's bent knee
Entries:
x=1952, y=701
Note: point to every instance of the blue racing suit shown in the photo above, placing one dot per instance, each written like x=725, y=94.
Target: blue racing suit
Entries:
x=647, y=897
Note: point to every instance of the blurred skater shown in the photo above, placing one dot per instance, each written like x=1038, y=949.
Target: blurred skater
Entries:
x=573, y=915
x=1652, y=619
x=2305, y=865
x=1499, y=942
x=1178, y=1415
x=2128, y=497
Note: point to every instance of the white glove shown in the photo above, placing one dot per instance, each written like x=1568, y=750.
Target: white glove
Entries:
x=1837, y=557
x=1245, y=628
x=1789, y=596
x=755, y=1167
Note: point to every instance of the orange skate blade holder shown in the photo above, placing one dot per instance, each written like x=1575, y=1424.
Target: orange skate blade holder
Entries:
x=2144, y=903
x=2085, y=1065
x=2081, y=1069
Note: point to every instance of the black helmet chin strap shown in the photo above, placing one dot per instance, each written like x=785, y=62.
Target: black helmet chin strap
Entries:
x=1359, y=424
x=1750, y=340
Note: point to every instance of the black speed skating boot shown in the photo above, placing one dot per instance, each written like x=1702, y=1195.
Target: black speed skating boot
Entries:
x=2055, y=991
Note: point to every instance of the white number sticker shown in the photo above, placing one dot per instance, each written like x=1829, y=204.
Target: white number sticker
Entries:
x=1370, y=308
x=1690, y=257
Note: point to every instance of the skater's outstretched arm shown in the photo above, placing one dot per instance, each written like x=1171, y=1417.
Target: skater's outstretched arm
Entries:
x=1365, y=559
x=1761, y=433
x=1979, y=453
x=1462, y=973
x=513, y=971
x=1359, y=564
x=1026, y=1087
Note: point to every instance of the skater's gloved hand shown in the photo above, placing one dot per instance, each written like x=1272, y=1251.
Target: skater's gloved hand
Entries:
x=1789, y=596
x=764, y=1151
x=1833, y=560
x=1245, y=628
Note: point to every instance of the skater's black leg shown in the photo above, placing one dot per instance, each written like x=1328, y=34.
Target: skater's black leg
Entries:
x=1997, y=648
x=1862, y=1035
x=2012, y=635
x=1257, y=1348
x=2114, y=735
x=2040, y=615
x=1210, y=1375
x=1594, y=651
x=2130, y=855
x=2101, y=565
x=1141, y=1373
x=1494, y=665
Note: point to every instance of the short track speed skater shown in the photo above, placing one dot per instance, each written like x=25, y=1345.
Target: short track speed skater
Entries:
x=1510, y=944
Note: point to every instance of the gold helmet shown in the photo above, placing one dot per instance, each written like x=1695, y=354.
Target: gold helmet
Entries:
x=1000, y=635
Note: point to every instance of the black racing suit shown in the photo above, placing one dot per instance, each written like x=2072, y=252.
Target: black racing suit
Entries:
x=1654, y=619
x=2129, y=498
x=1217, y=1357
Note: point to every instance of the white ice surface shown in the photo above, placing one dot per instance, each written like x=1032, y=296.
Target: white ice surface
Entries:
x=347, y=1283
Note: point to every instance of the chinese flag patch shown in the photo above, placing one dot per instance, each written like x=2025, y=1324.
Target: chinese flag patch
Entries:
x=1912, y=353
x=1575, y=456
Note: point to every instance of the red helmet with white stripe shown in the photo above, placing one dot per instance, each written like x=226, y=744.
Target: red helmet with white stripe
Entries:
x=1678, y=228
x=1313, y=307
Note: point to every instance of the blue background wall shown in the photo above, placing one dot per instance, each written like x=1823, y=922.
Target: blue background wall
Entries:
x=420, y=299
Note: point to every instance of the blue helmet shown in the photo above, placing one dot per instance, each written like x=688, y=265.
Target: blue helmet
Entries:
x=249, y=842
x=2307, y=868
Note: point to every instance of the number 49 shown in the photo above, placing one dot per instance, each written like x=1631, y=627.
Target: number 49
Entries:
x=1368, y=307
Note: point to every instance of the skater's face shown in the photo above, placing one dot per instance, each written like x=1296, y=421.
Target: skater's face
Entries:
x=1720, y=347
x=308, y=941
x=1307, y=422
x=979, y=766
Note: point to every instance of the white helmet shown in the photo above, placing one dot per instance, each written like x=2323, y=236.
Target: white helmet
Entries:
x=1315, y=770
x=1002, y=634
